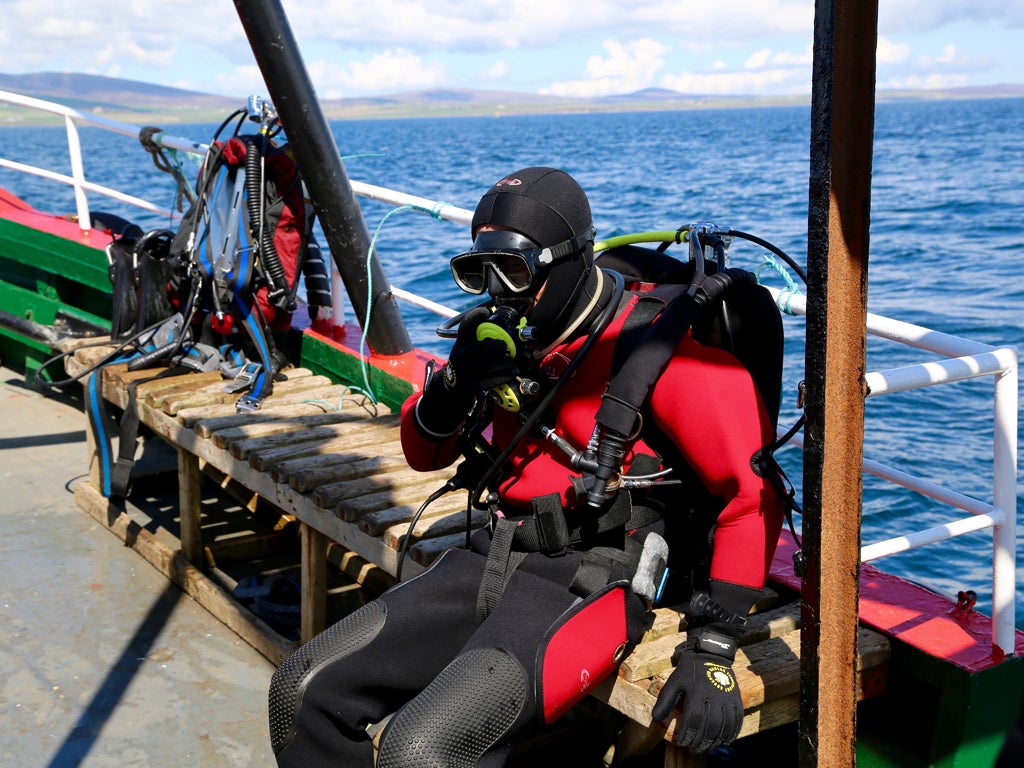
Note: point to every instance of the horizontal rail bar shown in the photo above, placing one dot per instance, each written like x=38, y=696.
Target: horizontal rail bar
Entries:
x=165, y=140
x=945, y=371
x=437, y=209
x=917, y=484
x=931, y=535
x=419, y=301
x=138, y=202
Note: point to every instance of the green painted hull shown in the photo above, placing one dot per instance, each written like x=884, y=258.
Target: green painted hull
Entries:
x=48, y=281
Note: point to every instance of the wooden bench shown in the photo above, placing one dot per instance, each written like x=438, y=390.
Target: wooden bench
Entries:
x=767, y=669
x=340, y=474
x=338, y=471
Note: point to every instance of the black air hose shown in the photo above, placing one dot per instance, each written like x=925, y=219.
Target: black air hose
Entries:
x=318, y=280
x=277, y=282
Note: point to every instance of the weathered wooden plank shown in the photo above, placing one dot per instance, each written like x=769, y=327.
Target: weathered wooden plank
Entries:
x=331, y=494
x=309, y=472
x=214, y=394
x=205, y=419
x=655, y=656
x=313, y=612
x=428, y=550
x=352, y=509
x=157, y=390
x=168, y=388
x=444, y=523
x=229, y=431
x=243, y=447
x=374, y=444
x=391, y=524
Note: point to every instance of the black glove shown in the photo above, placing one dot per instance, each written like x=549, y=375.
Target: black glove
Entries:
x=712, y=709
x=473, y=366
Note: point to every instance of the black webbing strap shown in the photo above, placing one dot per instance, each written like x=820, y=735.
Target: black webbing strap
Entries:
x=547, y=531
x=648, y=357
x=501, y=564
x=121, y=474
x=601, y=566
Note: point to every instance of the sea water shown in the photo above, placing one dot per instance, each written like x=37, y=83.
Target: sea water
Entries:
x=946, y=248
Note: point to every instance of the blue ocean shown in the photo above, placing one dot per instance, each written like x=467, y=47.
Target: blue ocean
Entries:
x=946, y=248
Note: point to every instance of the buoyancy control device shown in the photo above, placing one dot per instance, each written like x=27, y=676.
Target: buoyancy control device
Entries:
x=215, y=293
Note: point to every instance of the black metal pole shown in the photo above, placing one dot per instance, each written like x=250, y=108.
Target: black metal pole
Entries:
x=839, y=204
x=319, y=161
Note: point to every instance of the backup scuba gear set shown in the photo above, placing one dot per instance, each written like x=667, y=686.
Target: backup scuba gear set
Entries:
x=211, y=295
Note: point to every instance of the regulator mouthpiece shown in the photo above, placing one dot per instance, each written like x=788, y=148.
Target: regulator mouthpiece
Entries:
x=506, y=326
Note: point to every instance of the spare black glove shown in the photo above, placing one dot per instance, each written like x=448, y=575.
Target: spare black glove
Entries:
x=712, y=708
x=473, y=367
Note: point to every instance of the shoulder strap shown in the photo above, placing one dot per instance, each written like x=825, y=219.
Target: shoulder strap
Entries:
x=645, y=351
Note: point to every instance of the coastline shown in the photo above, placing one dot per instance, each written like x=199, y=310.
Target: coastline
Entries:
x=453, y=104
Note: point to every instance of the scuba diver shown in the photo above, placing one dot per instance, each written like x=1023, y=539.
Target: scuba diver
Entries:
x=492, y=642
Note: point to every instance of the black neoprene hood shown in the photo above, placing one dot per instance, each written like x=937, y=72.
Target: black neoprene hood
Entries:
x=545, y=204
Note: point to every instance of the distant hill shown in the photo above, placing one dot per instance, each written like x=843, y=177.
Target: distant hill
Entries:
x=89, y=92
x=132, y=101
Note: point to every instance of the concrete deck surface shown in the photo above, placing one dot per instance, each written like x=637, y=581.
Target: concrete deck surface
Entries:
x=103, y=662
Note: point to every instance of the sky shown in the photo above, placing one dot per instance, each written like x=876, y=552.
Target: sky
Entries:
x=355, y=48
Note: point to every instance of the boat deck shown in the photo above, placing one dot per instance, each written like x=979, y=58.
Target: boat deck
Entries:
x=105, y=663
x=334, y=470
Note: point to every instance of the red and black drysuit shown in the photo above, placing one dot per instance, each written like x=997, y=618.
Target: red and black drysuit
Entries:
x=479, y=686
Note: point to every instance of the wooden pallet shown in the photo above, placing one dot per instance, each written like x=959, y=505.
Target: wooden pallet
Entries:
x=336, y=467
x=314, y=452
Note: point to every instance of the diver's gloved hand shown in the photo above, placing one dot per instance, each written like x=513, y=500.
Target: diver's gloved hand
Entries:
x=711, y=705
x=473, y=366
x=712, y=287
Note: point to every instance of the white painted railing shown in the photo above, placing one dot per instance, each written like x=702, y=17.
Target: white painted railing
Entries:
x=962, y=359
x=77, y=178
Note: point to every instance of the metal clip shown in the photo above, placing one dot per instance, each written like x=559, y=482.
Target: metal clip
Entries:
x=248, y=403
x=244, y=379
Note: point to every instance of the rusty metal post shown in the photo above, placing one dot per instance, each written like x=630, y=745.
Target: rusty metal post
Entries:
x=842, y=126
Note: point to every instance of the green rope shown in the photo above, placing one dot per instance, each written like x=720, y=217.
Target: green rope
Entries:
x=785, y=299
x=347, y=396
x=434, y=212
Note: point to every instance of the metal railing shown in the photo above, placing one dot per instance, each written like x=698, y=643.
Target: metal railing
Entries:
x=961, y=359
x=77, y=178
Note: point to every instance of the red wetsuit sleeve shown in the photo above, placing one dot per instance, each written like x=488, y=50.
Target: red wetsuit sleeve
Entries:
x=707, y=403
x=422, y=451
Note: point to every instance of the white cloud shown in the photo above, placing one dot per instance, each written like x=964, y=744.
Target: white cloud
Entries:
x=758, y=59
x=391, y=70
x=758, y=81
x=629, y=67
x=889, y=52
x=762, y=72
x=498, y=71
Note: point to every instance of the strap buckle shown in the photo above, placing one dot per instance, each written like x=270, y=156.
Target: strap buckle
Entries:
x=244, y=378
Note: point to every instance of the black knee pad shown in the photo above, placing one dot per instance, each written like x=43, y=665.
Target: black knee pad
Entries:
x=460, y=716
x=294, y=675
